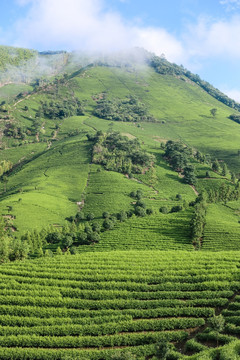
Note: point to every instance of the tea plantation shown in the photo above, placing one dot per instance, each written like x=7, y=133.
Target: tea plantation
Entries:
x=94, y=305
x=120, y=214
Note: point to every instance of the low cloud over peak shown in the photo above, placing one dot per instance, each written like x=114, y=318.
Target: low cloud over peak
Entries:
x=89, y=25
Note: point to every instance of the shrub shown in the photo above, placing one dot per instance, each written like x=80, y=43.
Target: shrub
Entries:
x=108, y=224
x=176, y=208
x=149, y=211
x=163, y=209
x=139, y=211
x=90, y=216
x=94, y=237
x=82, y=238
x=79, y=216
x=133, y=194
x=54, y=237
x=96, y=227
x=122, y=216
x=141, y=203
x=105, y=215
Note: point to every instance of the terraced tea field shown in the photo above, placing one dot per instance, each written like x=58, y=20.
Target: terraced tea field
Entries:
x=90, y=306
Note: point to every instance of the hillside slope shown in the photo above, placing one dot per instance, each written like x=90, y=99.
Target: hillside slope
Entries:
x=52, y=170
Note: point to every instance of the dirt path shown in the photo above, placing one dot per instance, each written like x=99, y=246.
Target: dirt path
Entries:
x=141, y=182
x=26, y=97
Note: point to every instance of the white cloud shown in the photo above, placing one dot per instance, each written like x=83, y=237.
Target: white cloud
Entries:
x=230, y=4
x=89, y=25
x=211, y=39
x=232, y=93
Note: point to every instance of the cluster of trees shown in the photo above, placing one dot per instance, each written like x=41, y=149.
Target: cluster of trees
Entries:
x=5, y=166
x=140, y=208
x=224, y=193
x=198, y=220
x=129, y=109
x=164, y=67
x=14, y=56
x=12, y=249
x=60, y=108
x=178, y=155
x=235, y=117
x=118, y=153
x=15, y=131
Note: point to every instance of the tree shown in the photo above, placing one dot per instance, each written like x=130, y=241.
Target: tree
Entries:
x=59, y=251
x=105, y=215
x=90, y=216
x=5, y=181
x=94, y=237
x=149, y=211
x=53, y=237
x=140, y=211
x=216, y=166
x=217, y=323
x=108, y=224
x=39, y=252
x=233, y=177
x=4, y=249
x=189, y=176
x=48, y=253
x=162, y=350
x=224, y=170
x=122, y=216
x=141, y=203
x=163, y=210
x=213, y=112
x=96, y=227
x=79, y=216
x=82, y=238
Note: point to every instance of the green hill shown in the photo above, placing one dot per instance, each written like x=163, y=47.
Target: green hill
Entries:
x=49, y=148
x=130, y=170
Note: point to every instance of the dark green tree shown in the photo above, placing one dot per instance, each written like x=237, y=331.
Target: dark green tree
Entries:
x=189, y=175
x=213, y=112
x=216, y=166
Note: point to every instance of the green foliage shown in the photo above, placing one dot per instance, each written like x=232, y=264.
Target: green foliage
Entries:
x=129, y=109
x=117, y=153
x=177, y=154
x=198, y=221
x=60, y=108
x=89, y=306
x=217, y=323
x=216, y=166
x=235, y=117
x=189, y=175
x=163, y=209
x=213, y=112
x=14, y=56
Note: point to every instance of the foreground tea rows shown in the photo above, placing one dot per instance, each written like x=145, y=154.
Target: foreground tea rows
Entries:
x=95, y=304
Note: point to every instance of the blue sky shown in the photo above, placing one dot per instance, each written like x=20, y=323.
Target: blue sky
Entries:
x=203, y=35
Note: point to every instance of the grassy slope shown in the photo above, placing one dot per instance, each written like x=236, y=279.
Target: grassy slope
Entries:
x=182, y=106
x=50, y=185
